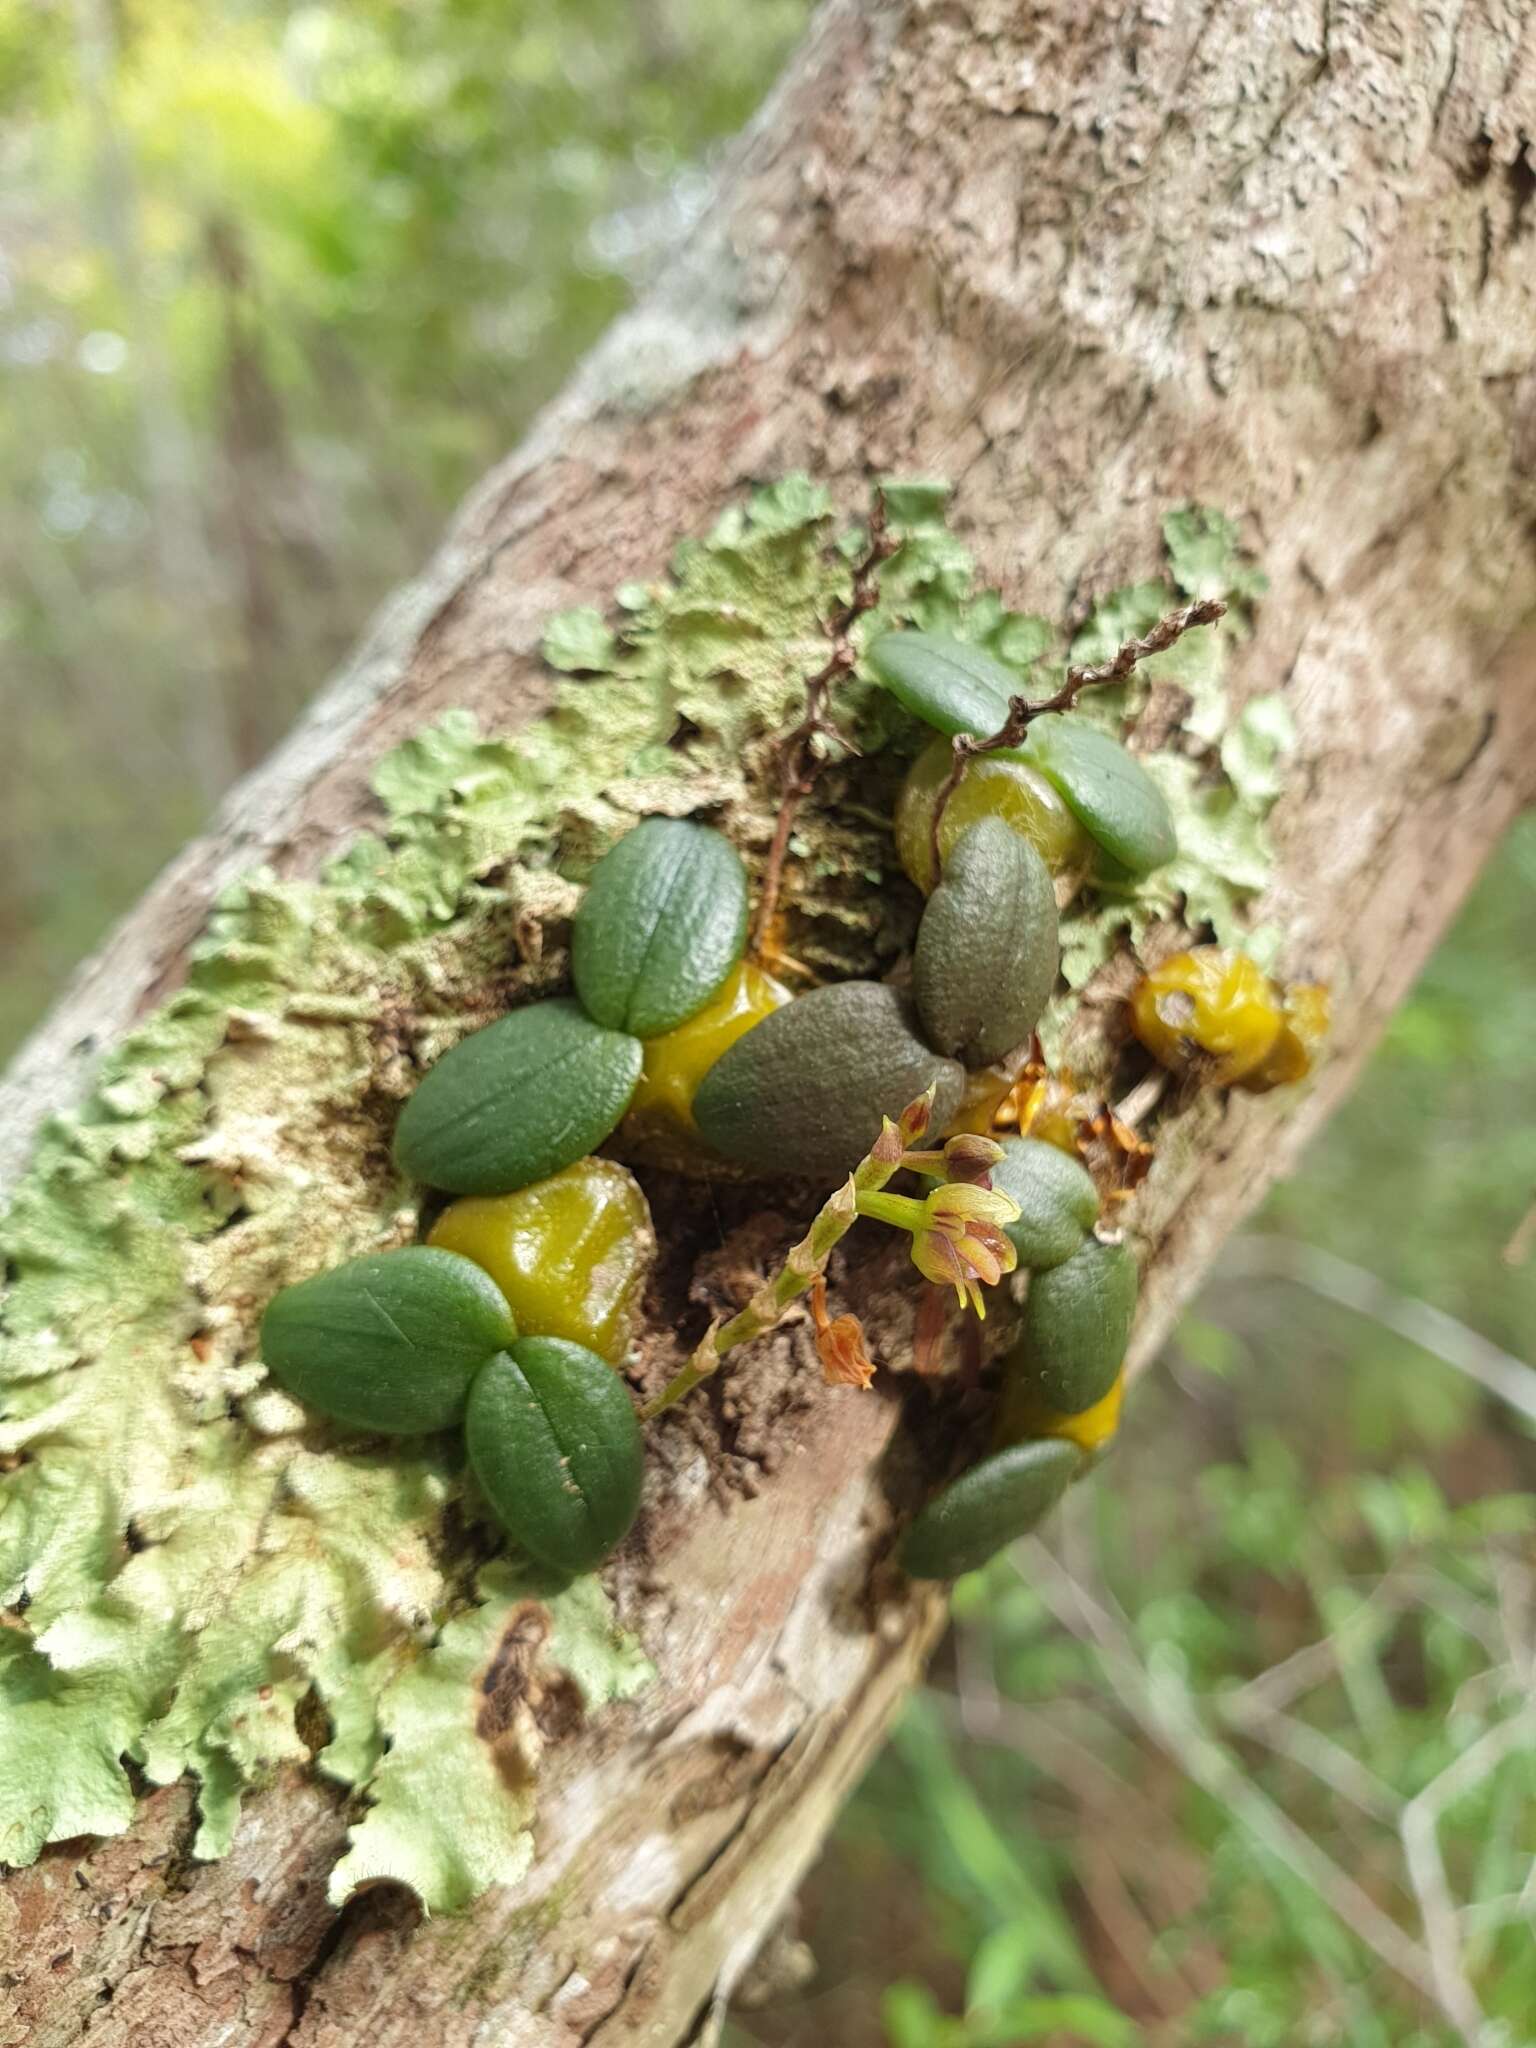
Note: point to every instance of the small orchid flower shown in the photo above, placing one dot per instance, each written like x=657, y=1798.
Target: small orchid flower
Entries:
x=957, y=1234
x=963, y=1244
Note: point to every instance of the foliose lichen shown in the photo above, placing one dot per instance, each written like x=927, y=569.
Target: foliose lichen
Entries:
x=190, y=1565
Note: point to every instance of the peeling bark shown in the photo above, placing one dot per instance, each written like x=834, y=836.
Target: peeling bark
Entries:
x=1086, y=263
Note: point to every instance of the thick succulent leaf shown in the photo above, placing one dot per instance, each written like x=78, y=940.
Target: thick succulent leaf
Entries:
x=1057, y=1201
x=662, y=924
x=948, y=684
x=1075, y=1326
x=993, y=1504
x=387, y=1342
x=1108, y=790
x=987, y=954
x=804, y=1093
x=517, y=1101
x=554, y=1443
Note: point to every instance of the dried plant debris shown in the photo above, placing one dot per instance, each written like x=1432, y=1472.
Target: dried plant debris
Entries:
x=197, y=1575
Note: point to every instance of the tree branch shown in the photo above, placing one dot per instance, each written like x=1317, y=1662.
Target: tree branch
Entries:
x=1082, y=337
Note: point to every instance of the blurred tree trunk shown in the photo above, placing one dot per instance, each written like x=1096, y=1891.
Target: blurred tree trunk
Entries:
x=188, y=575
x=1085, y=261
x=256, y=471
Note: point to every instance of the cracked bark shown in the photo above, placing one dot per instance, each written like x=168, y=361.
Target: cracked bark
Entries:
x=1086, y=262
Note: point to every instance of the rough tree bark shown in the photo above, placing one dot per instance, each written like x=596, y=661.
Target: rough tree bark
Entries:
x=1085, y=261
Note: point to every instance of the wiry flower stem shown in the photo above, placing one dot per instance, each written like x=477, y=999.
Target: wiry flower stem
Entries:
x=1204, y=611
x=799, y=761
x=807, y=1260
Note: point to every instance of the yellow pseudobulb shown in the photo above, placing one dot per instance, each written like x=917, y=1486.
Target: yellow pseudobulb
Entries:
x=677, y=1062
x=1213, y=1013
x=1002, y=785
x=1023, y=1416
x=569, y=1253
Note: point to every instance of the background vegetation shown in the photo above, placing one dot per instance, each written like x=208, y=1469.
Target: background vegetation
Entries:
x=1247, y=1754
x=277, y=282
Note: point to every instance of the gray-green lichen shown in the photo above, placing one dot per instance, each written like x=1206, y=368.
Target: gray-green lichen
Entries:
x=189, y=1563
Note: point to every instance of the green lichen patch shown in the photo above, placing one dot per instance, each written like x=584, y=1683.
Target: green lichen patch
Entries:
x=1221, y=770
x=453, y=1797
x=198, y=1576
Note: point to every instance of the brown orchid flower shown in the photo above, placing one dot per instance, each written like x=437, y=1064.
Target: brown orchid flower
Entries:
x=840, y=1342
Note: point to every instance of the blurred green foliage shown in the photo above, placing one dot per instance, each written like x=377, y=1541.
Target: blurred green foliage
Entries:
x=277, y=283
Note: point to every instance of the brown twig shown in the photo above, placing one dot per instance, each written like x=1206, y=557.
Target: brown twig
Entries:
x=1079, y=677
x=799, y=761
